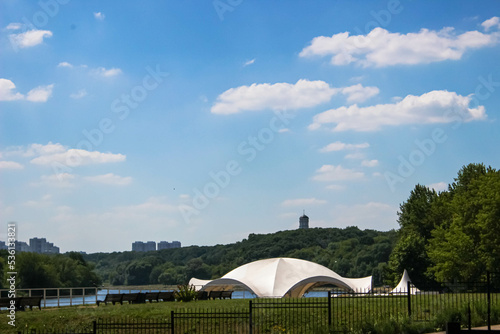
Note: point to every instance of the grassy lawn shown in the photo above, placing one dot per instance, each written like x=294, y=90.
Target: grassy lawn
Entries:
x=382, y=314
x=80, y=317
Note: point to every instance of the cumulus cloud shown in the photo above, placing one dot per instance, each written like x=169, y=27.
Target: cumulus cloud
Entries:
x=65, y=64
x=10, y=165
x=358, y=93
x=302, y=202
x=29, y=38
x=110, y=179
x=340, y=146
x=279, y=96
x=430, y=108
x=40, y=149
x=14, y=26
x=332, y=173
x=40, y=93
x=494, y=22
x=107, y=73
x=78, y=157
x=8, y=91
x=380, y=48
x=283, y=96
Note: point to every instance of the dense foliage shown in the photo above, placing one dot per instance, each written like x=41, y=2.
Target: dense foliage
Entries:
x=49, y=271
x=350, y=252
x=452, y=235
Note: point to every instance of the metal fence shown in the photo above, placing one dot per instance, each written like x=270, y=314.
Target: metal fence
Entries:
x=340, y=312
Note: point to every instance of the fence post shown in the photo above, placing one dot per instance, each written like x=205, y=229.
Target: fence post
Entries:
x=329, y=310
x=488, y=282
x=250, y=317
x=172, y=322
x=408, y=293
x=94, y=327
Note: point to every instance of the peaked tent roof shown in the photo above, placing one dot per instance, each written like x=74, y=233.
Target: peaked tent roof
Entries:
x=278, y=277
x=402, y=287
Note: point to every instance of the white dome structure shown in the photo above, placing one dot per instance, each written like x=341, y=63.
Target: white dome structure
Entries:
x=280, y=277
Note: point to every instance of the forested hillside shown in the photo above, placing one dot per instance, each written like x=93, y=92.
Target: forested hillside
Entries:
x=350, y=252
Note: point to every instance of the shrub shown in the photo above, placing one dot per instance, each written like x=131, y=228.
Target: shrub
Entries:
x=185, y=293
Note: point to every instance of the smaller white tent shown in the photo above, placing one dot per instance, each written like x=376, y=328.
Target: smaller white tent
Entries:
x=402, y=287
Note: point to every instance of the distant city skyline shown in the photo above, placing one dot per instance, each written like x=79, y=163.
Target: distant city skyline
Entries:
x=36, y=245
x=124, y=121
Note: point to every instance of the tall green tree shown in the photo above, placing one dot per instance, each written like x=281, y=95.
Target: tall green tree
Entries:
x=469, y=244
x=416, y=220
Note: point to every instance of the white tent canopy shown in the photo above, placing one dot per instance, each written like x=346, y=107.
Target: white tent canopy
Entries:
x=279, y=277
x=402, y=287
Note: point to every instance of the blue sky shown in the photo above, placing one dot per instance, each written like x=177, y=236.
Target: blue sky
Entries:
x=206, y=121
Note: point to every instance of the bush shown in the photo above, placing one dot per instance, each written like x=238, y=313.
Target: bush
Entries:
x=185, y=293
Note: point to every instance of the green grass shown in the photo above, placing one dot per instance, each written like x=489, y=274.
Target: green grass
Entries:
x=379, y=314
x=80, y=317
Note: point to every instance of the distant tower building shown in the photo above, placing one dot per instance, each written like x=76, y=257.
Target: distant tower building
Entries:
x=150, y=246
x=138, y=246
x=304, y=222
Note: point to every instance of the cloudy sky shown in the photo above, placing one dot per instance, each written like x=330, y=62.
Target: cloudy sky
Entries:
x=204, y=121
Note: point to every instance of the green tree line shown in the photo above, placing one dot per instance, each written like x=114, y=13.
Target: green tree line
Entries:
x=50, y=271
x=350, y=252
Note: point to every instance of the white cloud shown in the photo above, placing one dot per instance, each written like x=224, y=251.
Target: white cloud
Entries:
x=14, y=26
x=358, y=93
x=40, y=93
x=29, y=38
x=332, y=173
x=380, y=48
x=249, y=62
x=59, y=180
x=490, y=23
x=40, y=149
x=110, y=179
x=278, y=96
x=10, y=165
x=78, y=157
x=339, y=146
x=99, y=16
x=369, y=163
x=7, y=91
x=430, y=108
x=303, y=202
x=101, y=71
x=78, y=95
x=65, y=64
x=439, y=186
